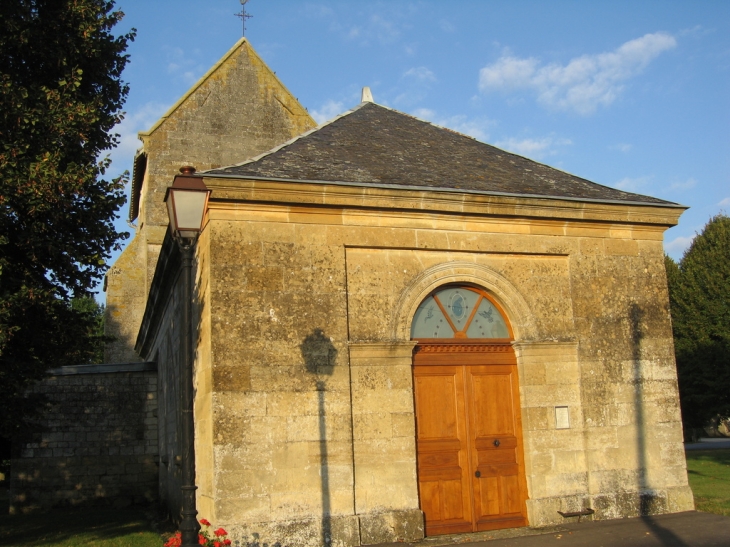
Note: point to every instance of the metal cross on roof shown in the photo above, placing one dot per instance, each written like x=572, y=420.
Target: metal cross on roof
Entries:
x=243, y=15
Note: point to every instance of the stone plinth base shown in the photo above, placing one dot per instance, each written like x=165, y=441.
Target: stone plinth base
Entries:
x=337, y=531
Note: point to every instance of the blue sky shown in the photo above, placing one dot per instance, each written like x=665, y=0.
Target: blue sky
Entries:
x=634, y=95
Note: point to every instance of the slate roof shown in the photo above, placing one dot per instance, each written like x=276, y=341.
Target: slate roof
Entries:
x=375, y=145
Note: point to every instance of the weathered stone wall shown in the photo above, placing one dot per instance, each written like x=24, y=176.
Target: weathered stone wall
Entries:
x=587, y=300
x=238, y=110
x=99, y=444
x=166, y=347
x=168, y=354
x=304, y=399
x=280, y=381
x=167, y=297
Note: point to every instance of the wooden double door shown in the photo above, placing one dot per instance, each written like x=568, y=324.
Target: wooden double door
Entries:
x=469, y=438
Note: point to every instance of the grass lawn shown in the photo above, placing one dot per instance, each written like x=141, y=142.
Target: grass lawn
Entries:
x=79, y=527
x=709, y=477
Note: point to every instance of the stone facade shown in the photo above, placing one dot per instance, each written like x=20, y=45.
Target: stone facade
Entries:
x=312, y=262
x=237, y=110
x=98, y=444
x=304, y=395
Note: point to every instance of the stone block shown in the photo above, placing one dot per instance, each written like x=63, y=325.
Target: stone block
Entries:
x=374, y=425
x=393, y=400
x=680, y=499
x=230, y=378
x=391, y=527
x=562, y=484
x=536, y=417
x=243, y=509
x=404, y=424
x=626, y=247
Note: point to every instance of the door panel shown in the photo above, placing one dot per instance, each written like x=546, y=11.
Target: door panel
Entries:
x=489, y=495
x=438, y=398
x=468, y=423
x=498, y=491
x=443, y=467
x=491, y=400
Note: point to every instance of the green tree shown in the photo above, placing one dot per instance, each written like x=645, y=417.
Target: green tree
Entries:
x=61, y=94
x=96, y=339
x=699, y=293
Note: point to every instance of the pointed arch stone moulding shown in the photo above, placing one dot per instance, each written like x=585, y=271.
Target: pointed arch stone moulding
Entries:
x=511, y=300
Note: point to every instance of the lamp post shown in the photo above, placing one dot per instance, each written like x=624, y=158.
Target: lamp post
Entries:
x=187, y=201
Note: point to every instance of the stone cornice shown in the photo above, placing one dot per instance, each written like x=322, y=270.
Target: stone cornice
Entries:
x=411, y=200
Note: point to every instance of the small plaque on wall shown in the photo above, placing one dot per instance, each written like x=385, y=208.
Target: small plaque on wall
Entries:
x=562, y=417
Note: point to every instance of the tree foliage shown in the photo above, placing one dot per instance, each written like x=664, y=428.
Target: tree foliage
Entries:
x=699, y=293
x=61, y=94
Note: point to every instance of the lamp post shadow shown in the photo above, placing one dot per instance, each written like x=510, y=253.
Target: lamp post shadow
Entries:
x=646, y=497
x=320, y=356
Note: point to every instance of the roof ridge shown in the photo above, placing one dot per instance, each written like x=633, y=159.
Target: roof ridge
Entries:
x=438, y=126
x=450, y=160
x=290, y=141
x=507, y=151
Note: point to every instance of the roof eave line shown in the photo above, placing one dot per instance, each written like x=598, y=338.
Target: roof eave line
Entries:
x=668, y=205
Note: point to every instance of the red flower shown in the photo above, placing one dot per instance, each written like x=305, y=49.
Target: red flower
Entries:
x=202, y=540
x=220, y=532
x=226, y=542
x=174, y=541
x=204, y=522
x=217, y=544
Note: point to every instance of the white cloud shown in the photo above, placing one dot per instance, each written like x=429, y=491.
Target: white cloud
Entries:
x=318, y=10
x=329, y=110
x=447, y=26
x=678, y=245
x=686, y=185
x=415, y=83
x=621, y=147
x=421, y=74
x=725, y=203
x=474, y=127
x=183, y=65
x=424, y=114
x=633, y=184
x=508, y=73
x=533, y=148
x=382, y=24
x=385, y=29
x=139, y=120
x=696, y=31
x=582, y=85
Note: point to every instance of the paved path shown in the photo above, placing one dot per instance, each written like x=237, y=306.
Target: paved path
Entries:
x=689, y=529
x=708, y=444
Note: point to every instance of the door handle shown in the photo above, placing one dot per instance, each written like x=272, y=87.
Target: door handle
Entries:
x=496, y=442
x=478, y=474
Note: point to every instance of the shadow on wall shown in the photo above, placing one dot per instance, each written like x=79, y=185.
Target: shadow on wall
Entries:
x=647, y=498
x=320, y=356
x=96, y=442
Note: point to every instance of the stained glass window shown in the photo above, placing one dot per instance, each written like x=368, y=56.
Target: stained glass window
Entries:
x=458, y=312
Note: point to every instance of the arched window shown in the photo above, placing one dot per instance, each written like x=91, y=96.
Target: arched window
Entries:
x=459, y=311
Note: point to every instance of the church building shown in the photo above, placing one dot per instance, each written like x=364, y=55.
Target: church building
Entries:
x=398, y=330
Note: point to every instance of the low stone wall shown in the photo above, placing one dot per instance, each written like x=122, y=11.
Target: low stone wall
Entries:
x=99, y=440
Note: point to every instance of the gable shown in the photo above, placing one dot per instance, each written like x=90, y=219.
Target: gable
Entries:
x=237, y=110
